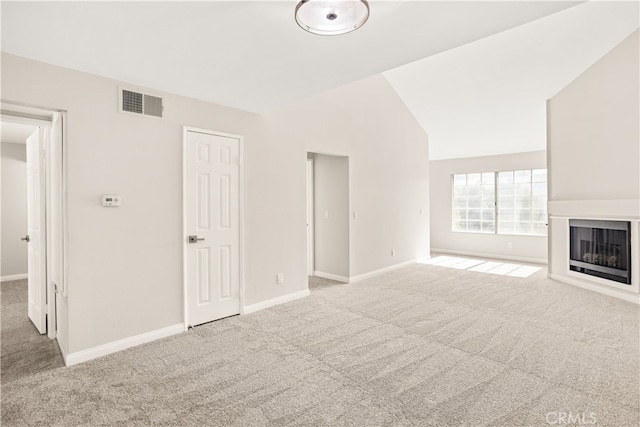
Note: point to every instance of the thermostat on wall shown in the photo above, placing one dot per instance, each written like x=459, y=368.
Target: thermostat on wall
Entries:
x=111, y=200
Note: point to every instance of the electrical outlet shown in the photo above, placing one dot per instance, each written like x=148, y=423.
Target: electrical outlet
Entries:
x=393, y=252
x=280, y=278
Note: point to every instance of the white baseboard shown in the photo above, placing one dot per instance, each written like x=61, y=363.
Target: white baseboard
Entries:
x=112, y=347
x=380, y=271
x=275, y=301
x=331, y=276
x=13, y=277
x=491, y=256
x=612, y=292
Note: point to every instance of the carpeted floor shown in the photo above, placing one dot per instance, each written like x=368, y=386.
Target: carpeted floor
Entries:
x=420, y=346
x=319, y=282
x=24, y=351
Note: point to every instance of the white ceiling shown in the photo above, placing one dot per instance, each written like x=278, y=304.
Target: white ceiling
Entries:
x=489, y=97
x=16, y=133
x=253, y=56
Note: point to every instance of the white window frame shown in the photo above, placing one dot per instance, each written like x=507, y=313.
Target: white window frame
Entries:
x=496, y=220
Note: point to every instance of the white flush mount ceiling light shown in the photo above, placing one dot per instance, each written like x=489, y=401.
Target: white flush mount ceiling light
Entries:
x=331, y=17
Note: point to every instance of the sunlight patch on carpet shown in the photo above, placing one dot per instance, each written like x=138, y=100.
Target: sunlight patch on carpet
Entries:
x=490, y=267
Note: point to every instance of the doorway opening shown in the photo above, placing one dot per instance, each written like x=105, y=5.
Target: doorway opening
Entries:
x=39, y=250
x=328, y=222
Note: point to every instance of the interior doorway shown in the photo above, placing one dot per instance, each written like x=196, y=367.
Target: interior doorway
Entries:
x=310, y=219
x=44, y=234
x=13, y=265
x=328, y=229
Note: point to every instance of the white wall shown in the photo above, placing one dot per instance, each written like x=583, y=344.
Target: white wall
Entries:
x=388, y=168
x=594, y=153
x=331, y=206
x=125, y=264
x=527, y=248
x=14, y=209
x=593, y=130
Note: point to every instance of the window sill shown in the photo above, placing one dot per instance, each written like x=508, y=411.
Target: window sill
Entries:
x=499, y=234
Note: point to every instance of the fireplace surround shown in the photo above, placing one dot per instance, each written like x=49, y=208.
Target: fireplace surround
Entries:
x=601, y=249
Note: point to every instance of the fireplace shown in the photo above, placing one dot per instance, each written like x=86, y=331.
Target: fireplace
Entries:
x=601, y=249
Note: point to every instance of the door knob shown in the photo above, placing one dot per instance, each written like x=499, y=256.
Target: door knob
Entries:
x=26, y=239
x=195, y=239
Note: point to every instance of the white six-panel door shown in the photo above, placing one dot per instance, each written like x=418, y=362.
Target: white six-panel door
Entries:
x=212, y=221
x=37, y=285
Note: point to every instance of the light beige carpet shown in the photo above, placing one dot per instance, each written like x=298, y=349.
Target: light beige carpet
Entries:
x=420, y=346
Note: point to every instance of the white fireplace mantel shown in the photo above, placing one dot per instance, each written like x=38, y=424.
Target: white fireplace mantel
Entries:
x=619, y=210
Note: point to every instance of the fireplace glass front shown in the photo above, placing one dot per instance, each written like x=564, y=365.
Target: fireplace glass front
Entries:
x=601, y=249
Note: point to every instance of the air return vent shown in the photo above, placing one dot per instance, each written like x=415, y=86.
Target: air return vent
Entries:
x=140, y=103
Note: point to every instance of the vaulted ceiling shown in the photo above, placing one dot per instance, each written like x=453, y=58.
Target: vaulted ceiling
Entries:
x=253, y=56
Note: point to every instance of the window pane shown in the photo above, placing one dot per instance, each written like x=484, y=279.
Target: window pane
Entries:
x=474, y=178
x=523, y=215
x=505, y=203
x=459, y=202
x=523, y=189
x=473, y=226
x=489, y=226
x=505, y=190
x=488, y=215
x=488, y=190
x=539, y=228
x=505, y=227
x=459, y=225
x=505, y=177
x=522, y=228
x=460, y=214
x=474, y=202
x=522, y=176
x=505, y=215
x=522, y=202
x=474, y=190
x=460, y=179
x=459, y=191
x=488, y=203
x=539, y=215
x=539, y=175
x=539, y=202
x=540, y=188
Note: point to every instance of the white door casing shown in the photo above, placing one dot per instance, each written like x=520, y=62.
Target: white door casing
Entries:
x=212, y=214
x=52, y=260
x=37, y=284
x=310, y=219
x=55, y=232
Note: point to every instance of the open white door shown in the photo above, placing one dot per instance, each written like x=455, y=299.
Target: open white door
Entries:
x=36, y=239
x=212, y=226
